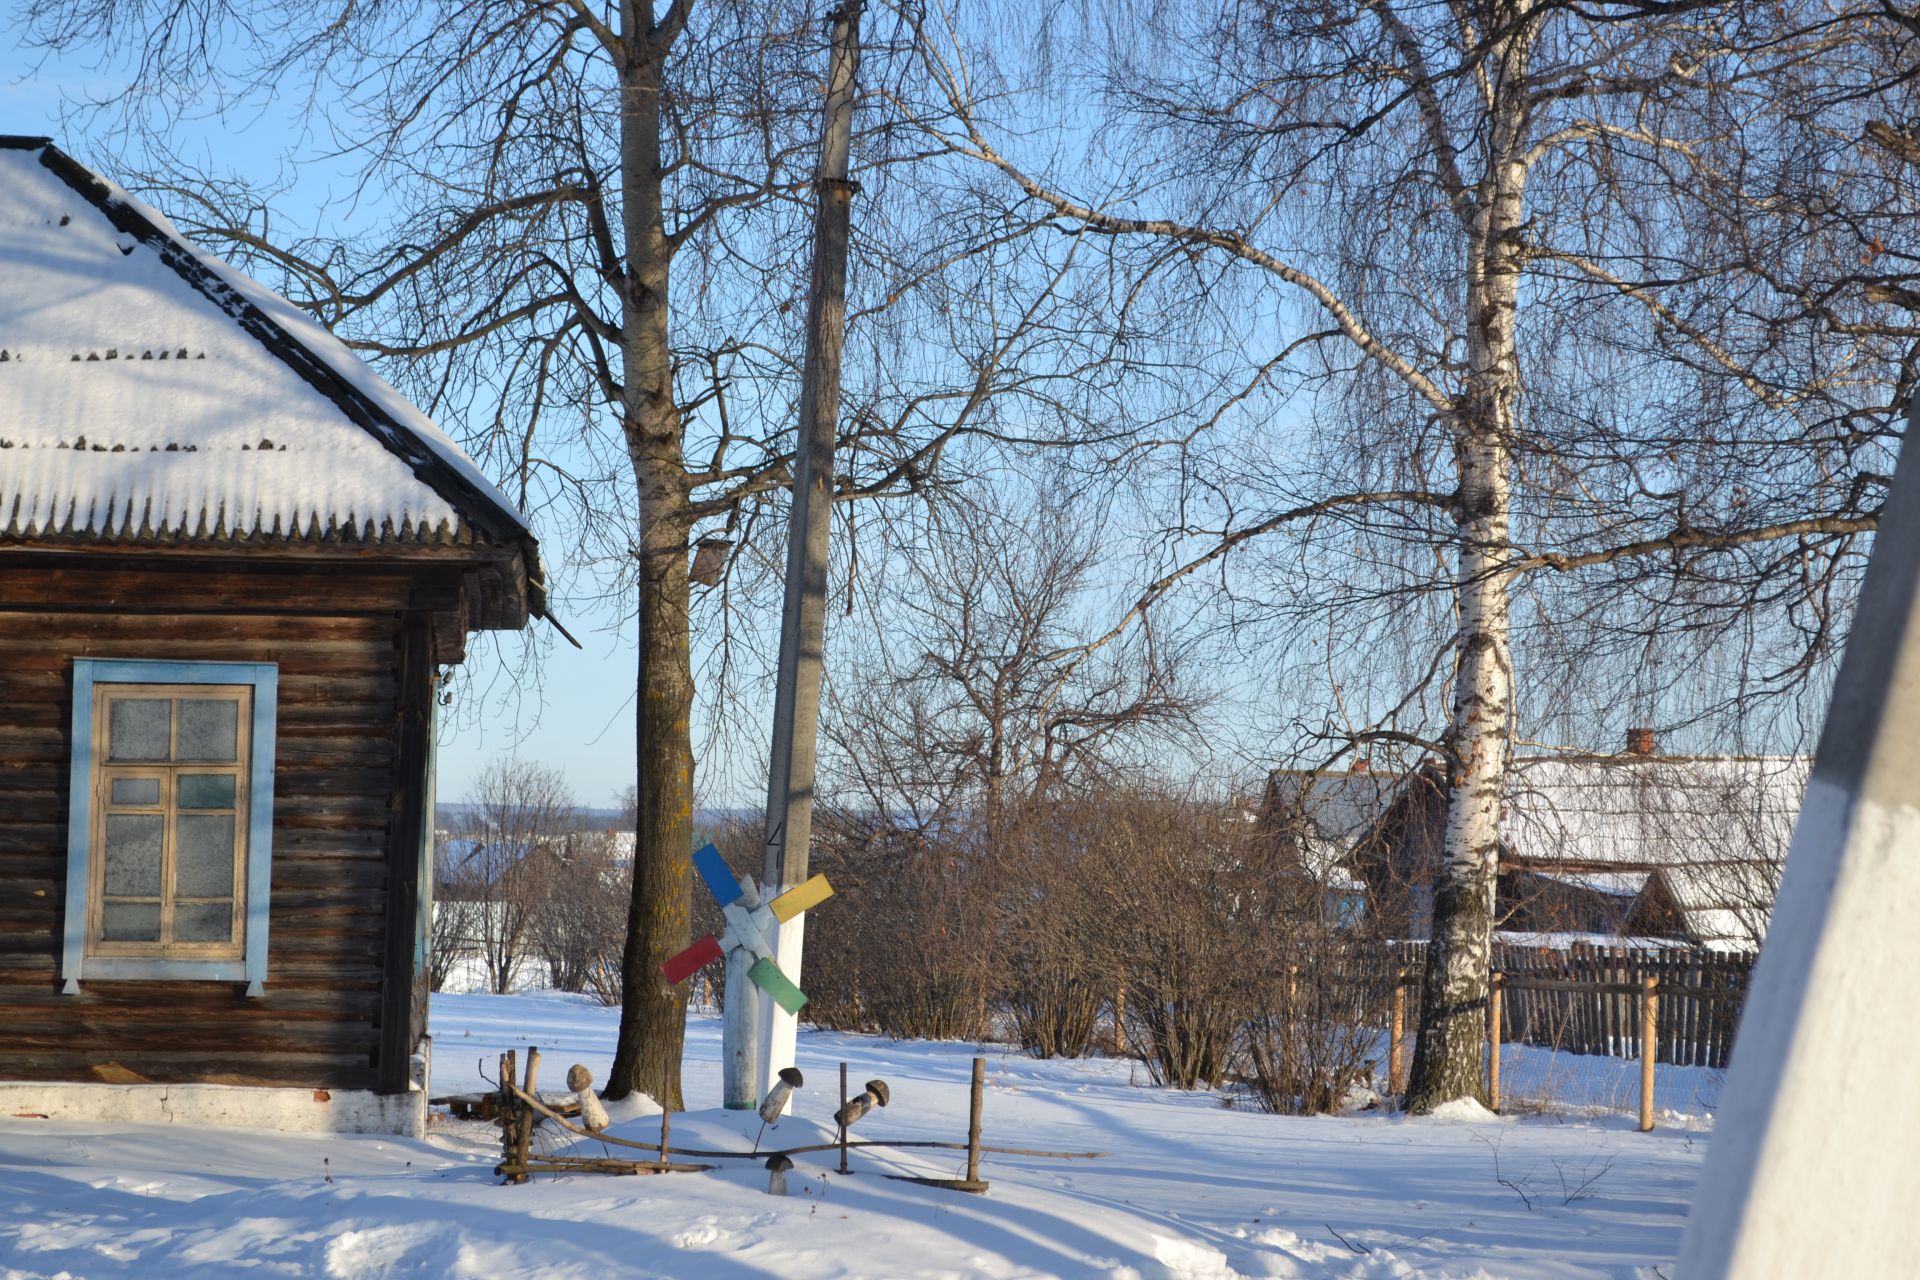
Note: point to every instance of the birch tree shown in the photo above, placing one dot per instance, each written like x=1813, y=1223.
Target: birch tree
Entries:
x=583, y=235
x=1534, y=267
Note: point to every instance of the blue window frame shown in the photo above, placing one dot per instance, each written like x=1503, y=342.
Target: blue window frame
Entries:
x=170, y=821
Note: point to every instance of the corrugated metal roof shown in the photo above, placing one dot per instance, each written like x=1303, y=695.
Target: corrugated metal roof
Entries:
x=151, y=392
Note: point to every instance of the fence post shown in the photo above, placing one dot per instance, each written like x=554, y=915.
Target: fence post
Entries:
x=974, y=1101
x=1493, y=1041
x=1649, y=1042
x=843, y=1108
x=1399, y=1033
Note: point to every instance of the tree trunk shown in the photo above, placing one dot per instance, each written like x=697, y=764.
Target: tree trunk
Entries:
x=1458, y=978
x=653, y=1014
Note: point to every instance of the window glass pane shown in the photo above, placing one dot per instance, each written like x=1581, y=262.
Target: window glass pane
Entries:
x=203, y=855
x=209, y=730
x=133, y=853
x=135, y=791
x=203, y=922
x=205, y=791
x=138, y=728
x=130, y=922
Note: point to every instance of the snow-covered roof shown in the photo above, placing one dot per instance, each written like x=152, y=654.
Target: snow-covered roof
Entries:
x=1714, y=829
x=1652, y=811
x=150, y=391
x=1615, y=884
x=1327, y=814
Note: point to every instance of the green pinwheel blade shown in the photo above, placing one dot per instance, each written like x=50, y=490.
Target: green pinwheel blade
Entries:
x=766, y=975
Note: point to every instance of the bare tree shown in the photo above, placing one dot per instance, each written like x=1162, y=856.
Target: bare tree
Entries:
x=517, y=815
x=974, y=694
x=963, y=735
x=587, y=243
x=1534, y=266
x=581, y=885
x=451, y=944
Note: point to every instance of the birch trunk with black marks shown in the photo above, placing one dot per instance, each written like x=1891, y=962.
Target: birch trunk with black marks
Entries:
x=1447, y=1056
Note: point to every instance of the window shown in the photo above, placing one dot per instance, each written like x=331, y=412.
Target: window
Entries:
x=170, y=821
x=1346, y=907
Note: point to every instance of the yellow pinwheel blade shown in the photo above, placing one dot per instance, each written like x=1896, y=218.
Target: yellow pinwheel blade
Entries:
x=802, y=897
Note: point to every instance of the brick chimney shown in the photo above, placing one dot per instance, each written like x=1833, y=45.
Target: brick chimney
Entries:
x=1640, y=742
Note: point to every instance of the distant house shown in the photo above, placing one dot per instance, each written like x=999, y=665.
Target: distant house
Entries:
x=233, y=563
x=1686, y=849
x=1320, y=817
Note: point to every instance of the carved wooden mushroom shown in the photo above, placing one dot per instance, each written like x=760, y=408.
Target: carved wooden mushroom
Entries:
x=593, y=1116
x=875, y=1095
x=775, y=1102
x=777, y=1166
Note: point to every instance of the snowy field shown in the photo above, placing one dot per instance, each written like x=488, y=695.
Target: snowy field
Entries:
x=1191, y=1189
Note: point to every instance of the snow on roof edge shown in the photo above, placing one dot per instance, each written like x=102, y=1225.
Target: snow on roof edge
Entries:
x=287, y=331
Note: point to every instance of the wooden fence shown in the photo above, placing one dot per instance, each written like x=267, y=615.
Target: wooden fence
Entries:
x=1586, y=999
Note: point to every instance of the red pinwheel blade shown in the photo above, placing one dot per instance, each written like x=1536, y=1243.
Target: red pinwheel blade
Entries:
x=692, y=960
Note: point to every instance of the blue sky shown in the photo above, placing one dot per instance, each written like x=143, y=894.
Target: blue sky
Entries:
x=579, y=718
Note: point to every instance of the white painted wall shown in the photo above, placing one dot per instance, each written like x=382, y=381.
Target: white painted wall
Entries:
x=221, y=1105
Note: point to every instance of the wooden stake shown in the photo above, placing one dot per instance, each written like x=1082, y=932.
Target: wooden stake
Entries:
x=843, y=1128
x=509, y=1113
x=1493, y=1043
x=1120, y=1020
x=666, y=1152
x=522, y=1148
x=1649, y=1040
x=1395, y=1043
x=973, y=1118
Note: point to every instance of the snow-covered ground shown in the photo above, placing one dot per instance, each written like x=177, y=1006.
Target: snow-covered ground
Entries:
x=1190, y=1189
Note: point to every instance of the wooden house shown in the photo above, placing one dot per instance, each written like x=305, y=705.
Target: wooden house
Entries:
x=233, y=565
x=1677, y=849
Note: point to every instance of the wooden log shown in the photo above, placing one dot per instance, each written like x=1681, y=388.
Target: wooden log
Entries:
x=1397, y=1036
x=975, y=1101
x=1493, y=1044
x=527, y=1121
x=507, y=1110
x=903, y=1143
x=1649, y=1042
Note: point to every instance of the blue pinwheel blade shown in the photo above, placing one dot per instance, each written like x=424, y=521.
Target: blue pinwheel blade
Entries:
x=713, y=869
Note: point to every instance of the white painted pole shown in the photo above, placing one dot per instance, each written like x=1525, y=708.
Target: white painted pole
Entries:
x=739, y=1076
x=796, y=705
x=1811, y=1170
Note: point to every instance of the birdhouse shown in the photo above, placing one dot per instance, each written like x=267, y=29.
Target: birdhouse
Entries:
x=709, y=560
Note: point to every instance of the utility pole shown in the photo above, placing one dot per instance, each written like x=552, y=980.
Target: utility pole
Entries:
x=1811, y=1170
x=796, y=707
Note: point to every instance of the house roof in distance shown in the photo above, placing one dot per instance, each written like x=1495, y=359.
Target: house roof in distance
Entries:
x=1715, y=828
x=1650, y=811
x=149, y=392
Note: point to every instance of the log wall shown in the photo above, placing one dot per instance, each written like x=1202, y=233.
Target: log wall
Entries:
x=338, y=824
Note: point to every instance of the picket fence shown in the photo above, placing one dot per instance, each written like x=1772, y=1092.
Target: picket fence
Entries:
x=1586, y=998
